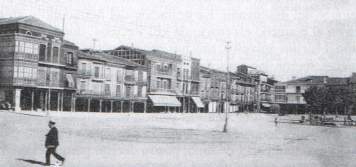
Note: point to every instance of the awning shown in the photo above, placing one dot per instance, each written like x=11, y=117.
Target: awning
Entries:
x=70, y=80
x=266, y=105
x=161, y=100
x=198, y=102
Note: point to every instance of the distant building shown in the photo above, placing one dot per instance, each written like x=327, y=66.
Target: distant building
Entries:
x=264, y=87
x=188, y=82
x=289, y=94
x=37, y=65
x=242, y=94
x=108, y=83
x=213, y=89
x=173, y=82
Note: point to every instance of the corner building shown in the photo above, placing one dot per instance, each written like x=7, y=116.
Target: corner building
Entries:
x=37, y=65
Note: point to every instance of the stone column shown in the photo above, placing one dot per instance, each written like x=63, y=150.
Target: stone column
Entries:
x=17, y=99
x=32, y=99
x=111, y=106
x=100, y=104
x=58, y=100
x=89, y=101
x=49, y=99
x=144, y=107
x=133, y=107
x=62, y=98
x=121, y=106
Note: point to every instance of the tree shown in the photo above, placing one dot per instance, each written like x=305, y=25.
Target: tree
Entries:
x=317, y=99
x=326, y=99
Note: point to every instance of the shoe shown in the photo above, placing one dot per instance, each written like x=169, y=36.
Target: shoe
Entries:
x=47, y=164
x=62, y=162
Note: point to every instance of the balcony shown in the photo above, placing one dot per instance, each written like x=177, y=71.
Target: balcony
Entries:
x=84, y=72
x=130, y=79
x=164, y=72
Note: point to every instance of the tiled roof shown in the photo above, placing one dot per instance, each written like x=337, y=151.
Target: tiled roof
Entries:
x=29, y=20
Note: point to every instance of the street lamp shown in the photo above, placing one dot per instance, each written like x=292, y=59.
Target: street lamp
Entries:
x=227, y=47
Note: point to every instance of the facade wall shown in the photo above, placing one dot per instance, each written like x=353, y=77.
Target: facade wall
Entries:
x=33, y=64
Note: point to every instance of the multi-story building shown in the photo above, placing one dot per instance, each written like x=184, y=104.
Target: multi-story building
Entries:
x=108, y=83
x=213, y=89
x=242, y=94
x=188, y=79
x=289, y=94
x=36, y=65
x=264, y=87
x=162, y=76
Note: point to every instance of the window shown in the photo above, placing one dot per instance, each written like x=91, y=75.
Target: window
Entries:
x=158, y=66
x=42, y=54
x=69, y=57
x=298, y=99
x=82, y=85
x=83, y=67
x=118, y=76
x=140, y=76
x=297, y=89
x=158, y=84
x=107, y=89
x=118, y=90
x=22, y=47
x=139, y=91
x=96, y=72
x=107, y=74
x=165, y=85
x=55, y=55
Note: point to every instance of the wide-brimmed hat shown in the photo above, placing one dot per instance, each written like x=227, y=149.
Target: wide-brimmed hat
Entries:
x=52, y=122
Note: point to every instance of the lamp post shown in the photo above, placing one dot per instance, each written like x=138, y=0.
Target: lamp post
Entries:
x=227, y=109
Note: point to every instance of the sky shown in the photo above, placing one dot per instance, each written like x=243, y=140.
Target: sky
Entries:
x=282, y=38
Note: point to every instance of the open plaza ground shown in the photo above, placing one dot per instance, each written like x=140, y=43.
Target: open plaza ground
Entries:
x=162, y=140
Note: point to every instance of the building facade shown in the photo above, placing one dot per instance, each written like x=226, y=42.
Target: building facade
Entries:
x=162, y=76
x=264, y=87
x=289, y=94
x=37, y=65
x=242, y=94
x=188, y=82
x=213, y=89
x=108, y=83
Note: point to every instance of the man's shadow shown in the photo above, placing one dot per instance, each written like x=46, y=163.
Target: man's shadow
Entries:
x=32, y=161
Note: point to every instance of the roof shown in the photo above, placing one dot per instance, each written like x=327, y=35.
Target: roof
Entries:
x=101, y=56
x=29, y=20
x=164, y=54
x=309, y=80
x=131, y=48
x=65, y=42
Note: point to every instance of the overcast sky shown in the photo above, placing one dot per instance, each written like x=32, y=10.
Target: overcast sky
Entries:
x=282, y=38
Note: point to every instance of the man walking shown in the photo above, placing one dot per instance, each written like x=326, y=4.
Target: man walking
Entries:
x=52, y=143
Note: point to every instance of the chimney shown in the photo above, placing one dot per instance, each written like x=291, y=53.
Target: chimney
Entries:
x=294, y=77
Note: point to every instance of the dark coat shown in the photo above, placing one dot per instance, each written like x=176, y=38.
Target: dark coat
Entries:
x=52, y=137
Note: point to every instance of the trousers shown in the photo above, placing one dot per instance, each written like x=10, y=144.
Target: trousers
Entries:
x=52, y=150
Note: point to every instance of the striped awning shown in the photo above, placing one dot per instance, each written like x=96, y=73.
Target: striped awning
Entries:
x=198, y=102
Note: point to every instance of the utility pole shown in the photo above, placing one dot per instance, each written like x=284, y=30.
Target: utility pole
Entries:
x=227, y=94
x=63, y=22
x=94, y=42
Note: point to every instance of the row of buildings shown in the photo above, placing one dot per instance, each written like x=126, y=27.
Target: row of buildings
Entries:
x=40, y=70
x=289, y=94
